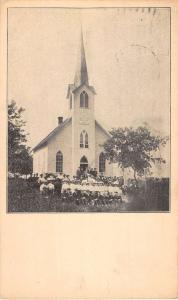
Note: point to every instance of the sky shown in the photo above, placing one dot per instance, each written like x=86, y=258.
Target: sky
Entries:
x=128, y=60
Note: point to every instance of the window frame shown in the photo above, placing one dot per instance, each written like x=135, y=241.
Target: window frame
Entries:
x=59, y=162
x=84, y=100
x=84, y=139
x=102, y=163
x=81, y=140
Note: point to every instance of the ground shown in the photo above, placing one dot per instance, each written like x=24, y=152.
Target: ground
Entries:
x=22, y=198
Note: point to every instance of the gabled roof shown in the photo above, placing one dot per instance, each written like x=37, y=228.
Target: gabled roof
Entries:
x=102, y=128
x=72, y=88
x=51, y=134
x=91, y=88
x=58, y=129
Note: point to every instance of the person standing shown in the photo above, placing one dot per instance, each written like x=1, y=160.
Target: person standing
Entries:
x=95, y=172
x=78, y=174
x=58, y=186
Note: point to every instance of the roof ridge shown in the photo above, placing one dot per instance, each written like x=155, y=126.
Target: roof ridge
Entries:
x=44, y=140
x=105, y=130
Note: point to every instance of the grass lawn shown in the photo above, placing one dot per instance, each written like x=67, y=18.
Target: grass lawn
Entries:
x=23, y=198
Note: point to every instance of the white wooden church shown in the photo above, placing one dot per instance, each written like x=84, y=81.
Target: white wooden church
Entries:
x=77, y=141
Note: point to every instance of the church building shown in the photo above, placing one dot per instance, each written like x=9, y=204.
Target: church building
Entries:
x=77, y=141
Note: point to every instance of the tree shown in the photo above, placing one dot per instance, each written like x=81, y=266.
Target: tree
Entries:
x=134, y=148
x=19, y=158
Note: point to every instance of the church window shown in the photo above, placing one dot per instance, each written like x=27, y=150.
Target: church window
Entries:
x=84, y=139
x=81, y=100
x=59, y=162
x=70, y=101
x=84, y=100
x=102, y=161
x=81, y=140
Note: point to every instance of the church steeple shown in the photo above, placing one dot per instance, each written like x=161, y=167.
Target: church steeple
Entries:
x=81, y=73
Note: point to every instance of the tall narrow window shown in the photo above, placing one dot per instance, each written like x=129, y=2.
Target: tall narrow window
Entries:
x=81, y=140
x=84, y=139
x=84, y=100
x=59, y=162
x=81, y=100
x=102, y=161
x=70, y=101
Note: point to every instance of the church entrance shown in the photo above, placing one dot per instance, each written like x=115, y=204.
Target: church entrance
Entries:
x=83, y=164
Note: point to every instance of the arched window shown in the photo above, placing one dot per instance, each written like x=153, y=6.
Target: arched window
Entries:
x=81, y=100
x=84, y=139
x=59, y=162
x=70, y=101
x=84, y=100
x=102, y=161
x=81, y=140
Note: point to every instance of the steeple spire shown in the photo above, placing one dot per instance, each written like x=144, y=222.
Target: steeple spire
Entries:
x=81, y=74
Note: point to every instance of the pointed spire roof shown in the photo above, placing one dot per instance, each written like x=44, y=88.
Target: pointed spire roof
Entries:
x=81, y=73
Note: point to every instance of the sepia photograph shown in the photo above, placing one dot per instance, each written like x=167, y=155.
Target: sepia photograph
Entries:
x=88, y=104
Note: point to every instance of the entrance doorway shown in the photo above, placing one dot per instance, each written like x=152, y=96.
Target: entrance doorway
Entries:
x=83, y=164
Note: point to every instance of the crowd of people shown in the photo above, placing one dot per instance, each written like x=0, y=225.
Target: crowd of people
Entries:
x=89, y=189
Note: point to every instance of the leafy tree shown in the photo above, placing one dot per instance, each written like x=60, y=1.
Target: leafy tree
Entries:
x=19, y=158
x=134, y=148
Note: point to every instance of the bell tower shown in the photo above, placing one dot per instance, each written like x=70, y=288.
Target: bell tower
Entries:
x=80, y=97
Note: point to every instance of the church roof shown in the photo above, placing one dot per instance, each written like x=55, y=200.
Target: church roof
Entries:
x=102, y=128
x=90, y=87
x=58, y=129
x=51, y=134
x=72, y=88
x=81, y=73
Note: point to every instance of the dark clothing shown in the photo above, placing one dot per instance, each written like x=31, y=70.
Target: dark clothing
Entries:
x=95, y=173
x=78, y=173
x=58, y=186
